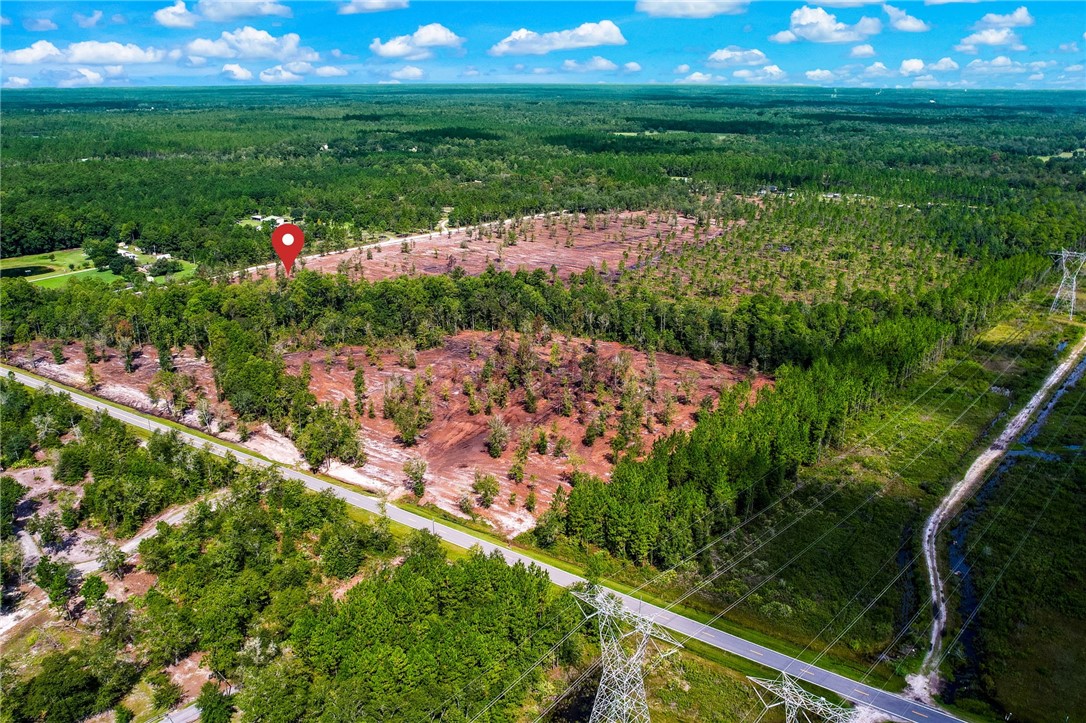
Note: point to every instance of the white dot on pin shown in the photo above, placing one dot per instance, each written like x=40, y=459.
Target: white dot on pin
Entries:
x=288, y=239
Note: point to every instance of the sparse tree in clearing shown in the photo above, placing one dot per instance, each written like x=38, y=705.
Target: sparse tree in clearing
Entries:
x=359, y=390
x=541, y=441
x=498, y=437
x=667, y=411
x=565, y=407
x=530, y=501
x=53, y=578
x=408, y=407
x=466, y=505
x=652, y=376
x=47, y=527
x=531, y=400
x=90, y=378
x=91, y=352
x=688, y=384
x=415, y=469
x=516, y=471
x=58, y=352
x=594, y=430
x=205, y=413
x=486, y=486
x=109, y=556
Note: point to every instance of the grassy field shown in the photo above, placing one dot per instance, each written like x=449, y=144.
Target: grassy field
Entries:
x=53, y=270
x=1022, y=655
x=831, y=550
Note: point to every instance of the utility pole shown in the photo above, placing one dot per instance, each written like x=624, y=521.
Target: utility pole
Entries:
x=621, y=694
x=1071, y=263
x=798, y=702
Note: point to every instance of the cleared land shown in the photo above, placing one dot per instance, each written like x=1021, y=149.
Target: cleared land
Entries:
x=802, y=249
x=454, y=444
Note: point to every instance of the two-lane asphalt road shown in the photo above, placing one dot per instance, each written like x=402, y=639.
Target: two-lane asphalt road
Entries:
x=894, y=706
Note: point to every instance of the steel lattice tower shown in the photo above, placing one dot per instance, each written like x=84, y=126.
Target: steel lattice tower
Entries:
x=1071, y=263
x=798, y=702
x=621, y=694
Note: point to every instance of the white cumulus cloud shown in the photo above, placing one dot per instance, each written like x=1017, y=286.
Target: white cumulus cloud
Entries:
x=16, y=81
x=248, y=42
x=876, y=70
x=1020, y=18
x=734, y=55
x=631, y=67
x=278, y=74
x=329, y=71
x=862, y=51
x=176, y=16
x=94, y=52
x=697, y=78
x=38, y=52
x=992, y=37
x=681, y=69
x=911, y=66
x=901, y=20
x=761, y=75
x=819, y=26
x=1000, y=65
x=819, y=75
x=595, y=64
x=587, y=35
x=233, y=71
x=418, y=45
x=225, y=10
x=87, y=21
x=691, y=8
x=408, y=72
x=942, y=65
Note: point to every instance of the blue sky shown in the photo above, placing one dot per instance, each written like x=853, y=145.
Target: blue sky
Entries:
x=837, y=43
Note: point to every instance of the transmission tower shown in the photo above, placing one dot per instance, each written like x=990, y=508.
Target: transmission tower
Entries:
x=1071, y=263
x=625, y=639
x=798, y=702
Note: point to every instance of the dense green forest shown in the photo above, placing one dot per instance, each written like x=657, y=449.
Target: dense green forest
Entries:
x=185, y=165
x=247, y=581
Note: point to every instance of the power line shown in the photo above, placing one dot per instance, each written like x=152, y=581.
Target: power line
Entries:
x=620, y=697
x=1071, y=263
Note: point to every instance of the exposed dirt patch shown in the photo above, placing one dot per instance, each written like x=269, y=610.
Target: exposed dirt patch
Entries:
x=454, y=445
x=135, y=583
x=569, y=242
x=189, y=675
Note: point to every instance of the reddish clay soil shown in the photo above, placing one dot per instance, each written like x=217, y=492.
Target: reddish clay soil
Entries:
x=190, y=676
x=454, y=444
x=570, y=243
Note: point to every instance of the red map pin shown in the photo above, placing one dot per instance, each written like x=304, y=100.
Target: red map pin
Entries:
x=287, y=241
